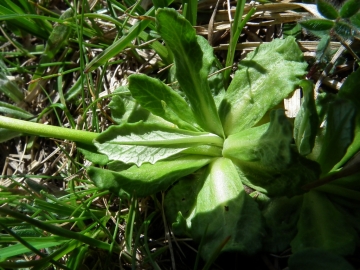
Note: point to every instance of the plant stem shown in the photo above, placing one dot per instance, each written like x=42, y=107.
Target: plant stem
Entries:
x=235, y=31
x=37, y=129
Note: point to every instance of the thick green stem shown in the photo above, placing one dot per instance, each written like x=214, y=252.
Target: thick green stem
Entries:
x=47, y=131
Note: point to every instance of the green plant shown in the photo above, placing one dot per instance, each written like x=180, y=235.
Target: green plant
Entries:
x=206, y=145
x=343, y=23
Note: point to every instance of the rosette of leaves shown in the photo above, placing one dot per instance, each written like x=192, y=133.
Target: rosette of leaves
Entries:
x=202, y=143
x=342, y=22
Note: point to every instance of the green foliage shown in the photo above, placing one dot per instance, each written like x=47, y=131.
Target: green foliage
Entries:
x=187, y=138
x=307, y=121
x=205, y=147
x=343, y=23
x=193, y=57
x=349, y=9
x=258, y=83
x=327, y=9
x=317, y=24
x=338, y=236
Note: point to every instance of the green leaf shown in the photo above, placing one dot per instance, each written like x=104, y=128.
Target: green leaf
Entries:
x=306, y=122
x=216, y=83
x=121, y=105
x=349, y=91
x=9, y=88
x=339, y=133
x=355, y=20
x=146, y=142
x=321, y=225
x=327, y=10
x=193, y=60
x=14, y=111
x=18, y=249
x=190, y=10
x=354, y=147
x=281, y=215
x=147, y=179
x=215, y=209
x=117, y=108
x=161, y=100
x=344, y=29
x=317, y=24
x=267, y=143
x=349, y=8
x=323, y=52
x=22, y=22
x=350, y=88
x=316, y=258
x=259, y=84
x=266, y=160
x=6, y=134
x=90, y=152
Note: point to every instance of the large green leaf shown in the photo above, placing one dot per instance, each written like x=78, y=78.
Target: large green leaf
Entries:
x=147, y=179
x=321, y=225
x=215, y=208
x=161, y=100
x=306, y=122
x=147, y=142
x=266, y=160
x=265, y=77
x=339, y=133
x=193, y=60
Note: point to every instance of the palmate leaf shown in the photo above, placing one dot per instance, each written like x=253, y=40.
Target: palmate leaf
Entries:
x=266, y=160
x=259, y=85
x=147, y=179
x=213, y=208
x=161, y=100
x=193, y=59
x=147, y=142
x=321, y=225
